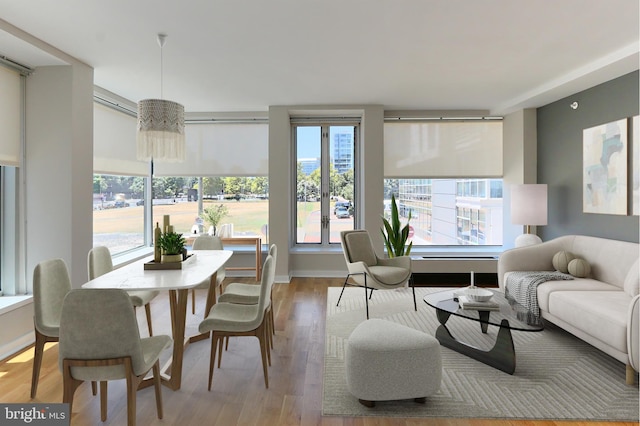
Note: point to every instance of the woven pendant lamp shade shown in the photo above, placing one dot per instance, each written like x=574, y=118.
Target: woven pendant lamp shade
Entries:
x=160, y=131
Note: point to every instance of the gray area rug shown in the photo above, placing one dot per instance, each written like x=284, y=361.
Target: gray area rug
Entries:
x=557, y=375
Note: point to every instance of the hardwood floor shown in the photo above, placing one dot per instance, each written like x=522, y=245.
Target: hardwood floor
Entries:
x=238, y=395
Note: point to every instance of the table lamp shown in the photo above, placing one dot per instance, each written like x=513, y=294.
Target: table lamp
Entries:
x=528, y=208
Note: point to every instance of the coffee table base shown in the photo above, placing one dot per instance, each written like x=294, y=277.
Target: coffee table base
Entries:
x=502, y=356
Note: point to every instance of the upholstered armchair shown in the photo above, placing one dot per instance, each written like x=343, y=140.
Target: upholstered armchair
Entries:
x=368, y=270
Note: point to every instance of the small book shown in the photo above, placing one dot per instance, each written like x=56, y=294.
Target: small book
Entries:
x=466, y=303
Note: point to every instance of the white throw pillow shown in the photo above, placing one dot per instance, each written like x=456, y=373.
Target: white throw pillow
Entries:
x=561, y=261
x=579, y=268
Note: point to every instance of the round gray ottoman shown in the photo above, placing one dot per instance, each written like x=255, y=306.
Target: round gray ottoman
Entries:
x=387, y=361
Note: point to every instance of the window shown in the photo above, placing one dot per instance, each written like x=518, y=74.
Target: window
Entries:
x=11, y=119
x=449, y=211
x=245, y=201
x=325, y=182
x=119, y=181
x=118, y=212
x=227, y=164
x=445, y=173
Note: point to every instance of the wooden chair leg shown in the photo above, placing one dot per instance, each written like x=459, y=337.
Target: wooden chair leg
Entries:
x=266, y=334
x=212, y=356
x=157, y=385
x=263, y=352
x=94, y=388
x=147, y=310
x=41, y=339
x=193, y=301
x=132, y=388
x=220, y=341
x=69, y=386
x=103, y=400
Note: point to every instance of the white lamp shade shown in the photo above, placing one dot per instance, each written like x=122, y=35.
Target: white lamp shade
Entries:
x=160, y=130
x=529, y=204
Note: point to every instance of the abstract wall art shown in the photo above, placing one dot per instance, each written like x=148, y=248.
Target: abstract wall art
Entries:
x=604, y=159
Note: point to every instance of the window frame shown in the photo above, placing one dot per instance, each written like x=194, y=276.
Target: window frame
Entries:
x=325, y=164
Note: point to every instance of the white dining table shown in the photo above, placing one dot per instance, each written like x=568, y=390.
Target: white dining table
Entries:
x=202, y=265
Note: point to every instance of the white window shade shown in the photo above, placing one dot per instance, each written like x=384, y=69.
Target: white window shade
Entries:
x=443, y=149
x=114, y=143
x=10, y=108
x=222, y=149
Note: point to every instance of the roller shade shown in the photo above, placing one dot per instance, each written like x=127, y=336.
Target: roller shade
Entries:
x=443, y=149
x=114, y=143
x=222, y=149
x=10, y=110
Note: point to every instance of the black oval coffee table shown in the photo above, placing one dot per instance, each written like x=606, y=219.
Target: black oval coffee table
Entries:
x=508, y=316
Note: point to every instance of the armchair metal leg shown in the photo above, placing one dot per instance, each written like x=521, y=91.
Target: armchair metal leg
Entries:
x=343, y=286
x=413, y=288
x=366, y=299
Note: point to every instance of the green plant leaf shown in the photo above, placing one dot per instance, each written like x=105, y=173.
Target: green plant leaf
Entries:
x=395, y=237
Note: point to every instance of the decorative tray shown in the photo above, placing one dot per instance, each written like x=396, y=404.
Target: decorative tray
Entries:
x=151, y=265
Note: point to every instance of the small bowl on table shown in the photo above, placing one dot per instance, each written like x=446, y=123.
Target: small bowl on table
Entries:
x=478, y=294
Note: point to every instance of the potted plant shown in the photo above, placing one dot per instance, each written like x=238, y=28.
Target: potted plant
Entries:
x=214, y=214
x=395, y=236
x=172, y=245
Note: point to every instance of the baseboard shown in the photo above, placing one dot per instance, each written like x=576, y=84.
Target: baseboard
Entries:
x=11, y=348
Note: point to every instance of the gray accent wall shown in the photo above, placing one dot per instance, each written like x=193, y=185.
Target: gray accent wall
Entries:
x=560, y=158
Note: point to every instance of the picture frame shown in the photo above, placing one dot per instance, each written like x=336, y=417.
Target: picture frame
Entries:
x=604, y=158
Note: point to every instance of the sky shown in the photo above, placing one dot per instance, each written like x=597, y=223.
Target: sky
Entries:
x=309, y=139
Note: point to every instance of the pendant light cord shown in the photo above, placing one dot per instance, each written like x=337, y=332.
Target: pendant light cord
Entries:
x=161, y=41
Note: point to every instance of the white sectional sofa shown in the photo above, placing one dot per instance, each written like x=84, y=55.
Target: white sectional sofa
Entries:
x=602, y=308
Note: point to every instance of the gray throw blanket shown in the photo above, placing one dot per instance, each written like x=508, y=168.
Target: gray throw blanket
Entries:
x=521, y=287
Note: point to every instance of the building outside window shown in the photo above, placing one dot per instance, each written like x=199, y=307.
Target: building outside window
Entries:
x=449, y=212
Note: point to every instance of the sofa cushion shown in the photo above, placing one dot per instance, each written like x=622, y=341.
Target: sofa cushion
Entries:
x=561, y=260
x=610, y=260
x=601, y=314
x=578, y=284
x=632, y=280
x=579, y=268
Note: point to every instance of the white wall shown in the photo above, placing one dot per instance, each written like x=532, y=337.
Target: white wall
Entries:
x=519, y=164
x=307, y=262
x=59, y=168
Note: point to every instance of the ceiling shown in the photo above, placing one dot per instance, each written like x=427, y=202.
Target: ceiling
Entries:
x=230, y=55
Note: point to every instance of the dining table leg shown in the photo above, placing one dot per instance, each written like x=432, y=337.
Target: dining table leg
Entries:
x=211, y=300
x=171, y=372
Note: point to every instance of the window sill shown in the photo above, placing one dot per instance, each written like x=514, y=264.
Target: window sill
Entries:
x=10, y=303
x=131, y=256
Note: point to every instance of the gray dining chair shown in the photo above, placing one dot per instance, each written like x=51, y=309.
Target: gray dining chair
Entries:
x=100, y=341
x=207, y=242
x=51, y=283
x=99, y=263
x=230, y=319
x=248, y=294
